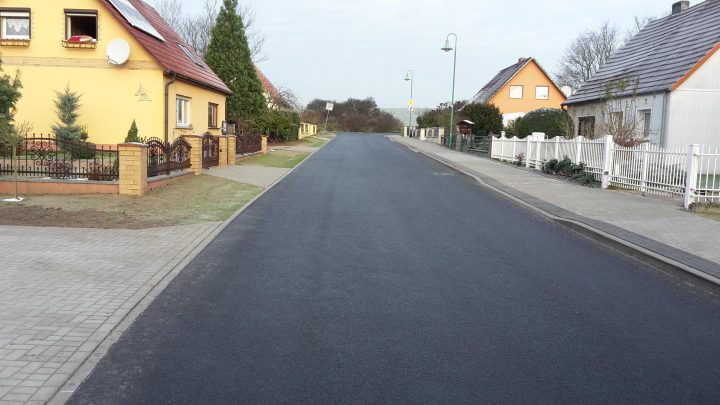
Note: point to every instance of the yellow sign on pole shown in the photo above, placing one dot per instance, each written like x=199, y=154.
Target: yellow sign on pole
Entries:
x=411, y=102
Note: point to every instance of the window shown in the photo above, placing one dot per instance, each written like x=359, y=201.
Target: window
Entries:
x=586, y=127
x=516, y=91
x=616, y=119
x=646, y=116
x=190, y=55
x=15, y=24
x=212, y=115
x=182, y=112
x=81, y=26
x=542, y=92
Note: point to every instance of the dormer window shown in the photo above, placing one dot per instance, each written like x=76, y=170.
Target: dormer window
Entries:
x=15, y=24
x=81, y=26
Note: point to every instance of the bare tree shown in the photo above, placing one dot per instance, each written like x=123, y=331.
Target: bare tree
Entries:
x=620, y=116
x=196, y=30
x=13, y=137
x=586, y=54
x=638, y=24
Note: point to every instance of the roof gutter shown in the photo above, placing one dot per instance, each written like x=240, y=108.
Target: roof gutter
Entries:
x=167, y=105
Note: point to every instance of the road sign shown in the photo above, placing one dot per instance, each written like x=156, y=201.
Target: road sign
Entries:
x=411, y=102
x=411, y=108
x=330, y=106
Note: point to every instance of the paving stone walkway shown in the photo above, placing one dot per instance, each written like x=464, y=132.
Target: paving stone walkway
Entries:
x=62, y=291
x=662, y=224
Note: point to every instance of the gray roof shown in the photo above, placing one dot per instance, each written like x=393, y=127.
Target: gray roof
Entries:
x=497, y=83
x=660, y=55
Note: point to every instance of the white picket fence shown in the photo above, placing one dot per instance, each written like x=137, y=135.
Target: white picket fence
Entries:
x=691, y=173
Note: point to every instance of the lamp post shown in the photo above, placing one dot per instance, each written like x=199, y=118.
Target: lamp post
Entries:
x=448, y=48
x=410, y=77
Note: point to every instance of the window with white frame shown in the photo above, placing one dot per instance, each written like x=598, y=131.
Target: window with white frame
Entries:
x=516, y=92
x=81, y=25
x=15, y=24
x=182, y=112
x=542, y=92
x=646, y=117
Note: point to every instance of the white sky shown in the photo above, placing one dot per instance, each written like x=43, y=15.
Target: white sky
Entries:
x=337, y=49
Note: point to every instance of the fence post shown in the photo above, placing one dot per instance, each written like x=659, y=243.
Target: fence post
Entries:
x=557, y=148
x=196, y=153
x=264, y=145
x=133, y=164
x=529, y=139
x=441, y=134
x=539, y=137
x=512, y=157
x=691, y=171
x=231, y=148
x=643, y=175
x=222, y=150
x=578, y=151
x=607, y=160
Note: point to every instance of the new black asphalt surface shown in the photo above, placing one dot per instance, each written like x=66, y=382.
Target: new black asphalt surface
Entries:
x=373, y=275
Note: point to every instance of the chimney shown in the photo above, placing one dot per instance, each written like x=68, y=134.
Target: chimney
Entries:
x=680, y=6
x=522, y=60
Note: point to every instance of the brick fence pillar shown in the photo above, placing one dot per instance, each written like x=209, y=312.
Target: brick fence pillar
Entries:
x=195, y=142
x=231, y=148
x=264, y=145
x=223, y=150
x=133, y=163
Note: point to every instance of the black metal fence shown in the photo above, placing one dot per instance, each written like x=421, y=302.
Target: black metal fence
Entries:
x=165, y=158
x=248, y=143
x=210, y=151
x=47, y=157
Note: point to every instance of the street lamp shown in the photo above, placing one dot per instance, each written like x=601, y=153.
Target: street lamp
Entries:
x=410, y=77
x=448, y=48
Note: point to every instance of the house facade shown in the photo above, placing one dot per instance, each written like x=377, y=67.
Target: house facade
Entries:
x=521, y=88
x=161, y=83
x=670, y=76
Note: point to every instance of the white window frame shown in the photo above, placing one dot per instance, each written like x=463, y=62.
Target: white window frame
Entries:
x=68, y=22
x=646, y=116
x=547, y=93
x=522, y=92
x=182, y=112
x=25, y=15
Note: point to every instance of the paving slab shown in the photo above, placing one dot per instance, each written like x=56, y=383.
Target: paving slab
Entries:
x=62, y=291
x=660, y=224
x=261, y=176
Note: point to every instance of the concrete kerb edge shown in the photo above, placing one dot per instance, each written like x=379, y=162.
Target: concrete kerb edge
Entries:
x=658, y=260
x=197, y=246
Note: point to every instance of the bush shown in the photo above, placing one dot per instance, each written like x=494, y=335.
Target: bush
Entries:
x=487, y=118
x=550, y=121
x=132, y=135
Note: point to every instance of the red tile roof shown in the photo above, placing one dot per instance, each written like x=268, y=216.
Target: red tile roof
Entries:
x=168, y=54
x=267, y=85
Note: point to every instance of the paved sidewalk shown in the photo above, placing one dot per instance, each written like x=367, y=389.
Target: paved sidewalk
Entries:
x=661, y=226
x=260, y=176
x=62, y=291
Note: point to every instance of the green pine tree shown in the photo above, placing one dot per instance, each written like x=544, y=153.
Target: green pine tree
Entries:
x=9, y=96
x=132, y=135
x=228, y=54
x=66, y=107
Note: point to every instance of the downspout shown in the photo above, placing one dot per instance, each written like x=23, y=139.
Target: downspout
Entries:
x=167, y=106
x=663, y=124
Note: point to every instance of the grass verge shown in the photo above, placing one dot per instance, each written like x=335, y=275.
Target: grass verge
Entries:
x=280, y=158
x=195, y=199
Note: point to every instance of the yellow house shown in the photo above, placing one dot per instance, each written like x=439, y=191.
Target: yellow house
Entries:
x=121, y=56
x=521, y=88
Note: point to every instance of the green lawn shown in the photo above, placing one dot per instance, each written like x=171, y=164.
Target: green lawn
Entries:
x=283, y=159
x=313, y=142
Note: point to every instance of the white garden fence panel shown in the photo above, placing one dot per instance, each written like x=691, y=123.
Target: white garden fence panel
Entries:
x=692, y=173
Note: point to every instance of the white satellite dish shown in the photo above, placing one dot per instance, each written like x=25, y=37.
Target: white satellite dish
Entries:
x=118, y=52
x=567, y=90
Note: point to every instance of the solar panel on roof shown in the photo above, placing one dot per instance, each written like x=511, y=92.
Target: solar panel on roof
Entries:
x=133, y=16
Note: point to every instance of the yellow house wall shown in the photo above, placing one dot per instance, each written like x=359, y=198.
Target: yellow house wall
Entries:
x=199, y=97
x=529, y=77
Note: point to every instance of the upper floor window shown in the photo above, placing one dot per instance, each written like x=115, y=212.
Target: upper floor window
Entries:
x=15, y=24
x=516, y=91
x=542, y=92
x=81, y=26
x=182, y=112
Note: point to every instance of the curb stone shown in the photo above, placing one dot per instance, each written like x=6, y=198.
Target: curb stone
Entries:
x=664, y=257
x=174, y=268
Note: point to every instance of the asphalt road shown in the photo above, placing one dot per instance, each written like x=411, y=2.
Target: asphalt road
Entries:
x=373, y=274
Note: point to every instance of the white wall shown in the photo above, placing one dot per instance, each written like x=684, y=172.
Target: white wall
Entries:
x=694, y=108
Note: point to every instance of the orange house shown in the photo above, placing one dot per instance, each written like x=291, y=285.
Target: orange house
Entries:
x=521, y=88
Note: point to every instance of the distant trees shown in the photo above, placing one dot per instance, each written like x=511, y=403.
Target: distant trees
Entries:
x=586, y=54
x=353, y=115
x=229, y=56
x=439, y=117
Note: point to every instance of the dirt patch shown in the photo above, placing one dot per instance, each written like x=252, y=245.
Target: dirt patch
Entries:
x=195, y=199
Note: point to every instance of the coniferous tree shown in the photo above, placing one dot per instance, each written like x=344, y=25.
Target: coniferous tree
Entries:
x=229, y=56
x=66, y=107
x=9, y=96
x=132, y=135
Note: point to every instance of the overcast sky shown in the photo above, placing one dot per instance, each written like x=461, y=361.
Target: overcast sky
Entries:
x=337, y=49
